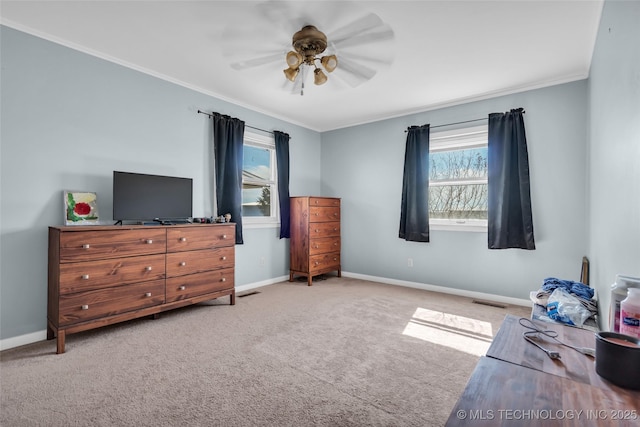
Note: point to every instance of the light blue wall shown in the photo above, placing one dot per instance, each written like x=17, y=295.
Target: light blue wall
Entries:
x=69, y=120
x=363, y=165
x=614, y=148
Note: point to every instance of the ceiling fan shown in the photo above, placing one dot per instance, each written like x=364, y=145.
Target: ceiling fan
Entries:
x=352, y=51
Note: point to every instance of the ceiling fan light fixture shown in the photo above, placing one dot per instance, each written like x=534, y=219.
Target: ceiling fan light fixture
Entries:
x=291, y=73
x=319, y=77
x=294, y=59
x=329, y=62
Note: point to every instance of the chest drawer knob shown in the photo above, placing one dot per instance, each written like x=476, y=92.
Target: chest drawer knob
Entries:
x=183, y=239
x=148, y=241
x=148, y=294
x=317, y=214
x=224, y=236
x=149, y=268
x=182, y=288
x=317, y=263
x=224, y=258
x=85, y=277
x=224, y=279
x=182, y=264
x=316, y=230
x=85, y=307
x=86, y=246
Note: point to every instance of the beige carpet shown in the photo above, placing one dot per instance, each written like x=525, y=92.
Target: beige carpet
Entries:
x=343, y=352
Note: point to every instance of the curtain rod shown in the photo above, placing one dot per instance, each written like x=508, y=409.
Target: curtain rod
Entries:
x=466, y=121
x=455, y=123
x=246, y=125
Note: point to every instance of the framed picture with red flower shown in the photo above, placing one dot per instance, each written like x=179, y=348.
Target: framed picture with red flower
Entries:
x=80, y=208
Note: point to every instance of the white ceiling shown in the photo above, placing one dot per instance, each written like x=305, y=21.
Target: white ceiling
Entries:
x=443, y=52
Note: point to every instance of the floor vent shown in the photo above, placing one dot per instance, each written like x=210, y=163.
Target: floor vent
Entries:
x=490, y=303
x=248, y=294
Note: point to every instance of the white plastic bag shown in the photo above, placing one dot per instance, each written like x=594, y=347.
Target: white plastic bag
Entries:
x=564, y=307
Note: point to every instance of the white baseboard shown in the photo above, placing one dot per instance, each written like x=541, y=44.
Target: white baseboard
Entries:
x=18, y=341
x=442, y=289
x=31, y=338
x=249, y=286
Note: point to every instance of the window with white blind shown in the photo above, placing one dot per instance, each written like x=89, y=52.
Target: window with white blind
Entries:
x=458, y=179
x=259, y=180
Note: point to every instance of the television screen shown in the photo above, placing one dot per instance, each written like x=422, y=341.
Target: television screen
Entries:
x=142, y=197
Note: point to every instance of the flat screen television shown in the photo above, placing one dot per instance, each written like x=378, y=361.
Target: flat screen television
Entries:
x=142, y=197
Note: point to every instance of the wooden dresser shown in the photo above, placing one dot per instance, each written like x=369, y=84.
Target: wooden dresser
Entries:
x=100, y=275
x=315, y=236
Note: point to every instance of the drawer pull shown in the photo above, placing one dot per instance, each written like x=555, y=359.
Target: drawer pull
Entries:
x=317, y=230
x=182, y=288
x=224, y=258
x=86, y=246
x=317, y=214
x=335, y=259
x=335, y=214
x=149, y=241
x=317, y=263
x=182, y=264
x=148, y=294
x=149, y=268
x=224, y=236
x=85, y=277
x=335, y=229
x=85, y=307
x=183, y=239
x=224, y=279
x=317, y=246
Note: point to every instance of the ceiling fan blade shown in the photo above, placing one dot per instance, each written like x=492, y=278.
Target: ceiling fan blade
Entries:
x=353, y=73
x=383, y=34
x=261, y=60
x=285, y=14
x=354, y=28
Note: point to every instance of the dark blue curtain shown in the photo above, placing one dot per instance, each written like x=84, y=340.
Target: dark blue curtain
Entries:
x=510, y=223
x=282, y=160
x=414, y=211
x=228, y=137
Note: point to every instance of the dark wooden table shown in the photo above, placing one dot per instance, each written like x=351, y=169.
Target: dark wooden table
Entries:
x=518, y=384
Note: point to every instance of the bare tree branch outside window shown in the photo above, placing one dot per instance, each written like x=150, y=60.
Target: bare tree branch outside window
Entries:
x=458, y=184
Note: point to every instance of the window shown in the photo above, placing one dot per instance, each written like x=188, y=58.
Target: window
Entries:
x=259, y=180
x=458, y=179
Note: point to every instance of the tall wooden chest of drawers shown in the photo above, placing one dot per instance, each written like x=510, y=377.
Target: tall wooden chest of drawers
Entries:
x=100, y=275
x=315, y=236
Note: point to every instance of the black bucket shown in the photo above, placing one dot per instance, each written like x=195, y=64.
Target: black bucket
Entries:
x=618, y=359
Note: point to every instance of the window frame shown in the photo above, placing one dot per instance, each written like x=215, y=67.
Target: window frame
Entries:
x=467, y=138
x=256, y=140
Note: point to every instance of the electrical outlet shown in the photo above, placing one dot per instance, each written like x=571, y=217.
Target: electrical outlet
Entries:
x=409, y=262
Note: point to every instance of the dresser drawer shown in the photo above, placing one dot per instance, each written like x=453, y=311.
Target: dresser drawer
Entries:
x=183, y=287
x=89, y=275
x=324, y=261
x=88, y=245
x=190, y=262
x=324, y=245
x=196, y=237
x=324, y=229
x=324, y=201
x=324, y=213
x=89, y=305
